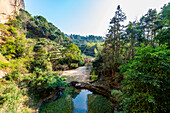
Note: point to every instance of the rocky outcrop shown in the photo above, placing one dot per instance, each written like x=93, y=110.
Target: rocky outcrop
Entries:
x=95, y=89
x=9, y=7
x=2, y=74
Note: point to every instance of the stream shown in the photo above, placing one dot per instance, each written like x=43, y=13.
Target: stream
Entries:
x=78, y=101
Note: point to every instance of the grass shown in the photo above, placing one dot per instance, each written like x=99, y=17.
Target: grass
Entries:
x=12, y=98
x=62, y=105
x=15, y=96
x=99, y=104
x=96, y=103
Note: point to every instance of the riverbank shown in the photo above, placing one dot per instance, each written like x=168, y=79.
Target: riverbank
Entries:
x=80, y=85
x=78, y=101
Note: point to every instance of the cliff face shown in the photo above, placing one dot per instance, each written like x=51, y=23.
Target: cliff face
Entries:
x=8, y=7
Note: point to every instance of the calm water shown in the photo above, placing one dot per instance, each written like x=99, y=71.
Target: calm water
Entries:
x=80, y=102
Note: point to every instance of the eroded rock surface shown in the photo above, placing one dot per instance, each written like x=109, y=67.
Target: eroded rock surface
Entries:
x=9, y=7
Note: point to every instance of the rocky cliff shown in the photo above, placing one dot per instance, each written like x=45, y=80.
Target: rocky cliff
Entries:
x=8, y=7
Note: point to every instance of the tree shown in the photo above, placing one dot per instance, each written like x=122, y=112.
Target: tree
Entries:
x=40, y=62
x=112, y=47
x=163, y=35
x=72, y=56
x=145, y=84
x=15, y=45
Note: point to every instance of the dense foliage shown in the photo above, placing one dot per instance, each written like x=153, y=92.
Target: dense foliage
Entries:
x=134, y=60
x=141, y=51
x=38, y=26
x=89, y=45
x=72, y=56
x=29, y=51
x=81, y=40
x=145, y=88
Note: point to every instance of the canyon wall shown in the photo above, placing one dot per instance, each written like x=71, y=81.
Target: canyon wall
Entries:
x=9, y=7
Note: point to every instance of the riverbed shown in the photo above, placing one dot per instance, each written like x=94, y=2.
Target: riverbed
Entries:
x=78, y=101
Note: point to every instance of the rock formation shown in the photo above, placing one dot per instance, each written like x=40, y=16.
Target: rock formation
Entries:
x=9, y=7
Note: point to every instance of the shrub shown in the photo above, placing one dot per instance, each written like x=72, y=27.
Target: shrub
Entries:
x=3, y=64
x=94, y=77
x=45, y=83
x=145, y=84
x=74, y=65
x=12, y=99
x=116, y=93
x=14, y=76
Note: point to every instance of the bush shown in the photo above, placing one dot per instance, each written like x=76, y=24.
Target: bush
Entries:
x=116, y=93
x=12, y=99
x=14, y=76
x=41, y=84
x=3, y=64
x=74, y=65
x=80, y=60
x=93, y=77
x=145, y=84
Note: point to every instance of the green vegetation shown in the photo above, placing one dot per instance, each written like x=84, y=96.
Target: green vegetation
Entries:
x=13, y=97
x=92, y=49
x=72, y=56
x=38, y=26
x=89, y=45
x=82, y=40
x=135, y=60
x=62, y=105
x=145, y=88
x=30, y=48
x=99, y=104
x=96, y=103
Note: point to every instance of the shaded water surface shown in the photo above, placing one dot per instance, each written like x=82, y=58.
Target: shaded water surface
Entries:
x=78, y=101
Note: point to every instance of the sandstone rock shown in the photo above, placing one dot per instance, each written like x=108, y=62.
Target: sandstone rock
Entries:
x=8, y=7
x=2, y=74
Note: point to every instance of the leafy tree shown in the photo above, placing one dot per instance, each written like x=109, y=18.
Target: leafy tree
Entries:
x=111, y=54
x=164, y=31
x=15, y=45
x=40, y=61
x=45, y=83
x=38, y=26
x=145, y=84
x=72, y=55
x=87, y=44
x=73, y=49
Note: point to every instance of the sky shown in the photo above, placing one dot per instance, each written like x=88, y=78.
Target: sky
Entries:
x=88, y=17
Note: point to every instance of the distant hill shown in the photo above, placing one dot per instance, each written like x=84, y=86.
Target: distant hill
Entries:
x=82, y=40
x=87, y=44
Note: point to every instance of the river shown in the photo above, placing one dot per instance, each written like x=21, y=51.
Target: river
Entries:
x=78, y=100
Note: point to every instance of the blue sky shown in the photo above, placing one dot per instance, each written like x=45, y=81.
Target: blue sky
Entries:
x=88, y=17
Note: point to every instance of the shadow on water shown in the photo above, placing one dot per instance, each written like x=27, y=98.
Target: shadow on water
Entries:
x=78, y=101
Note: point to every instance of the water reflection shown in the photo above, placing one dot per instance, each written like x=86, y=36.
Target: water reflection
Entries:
x=80, y=102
